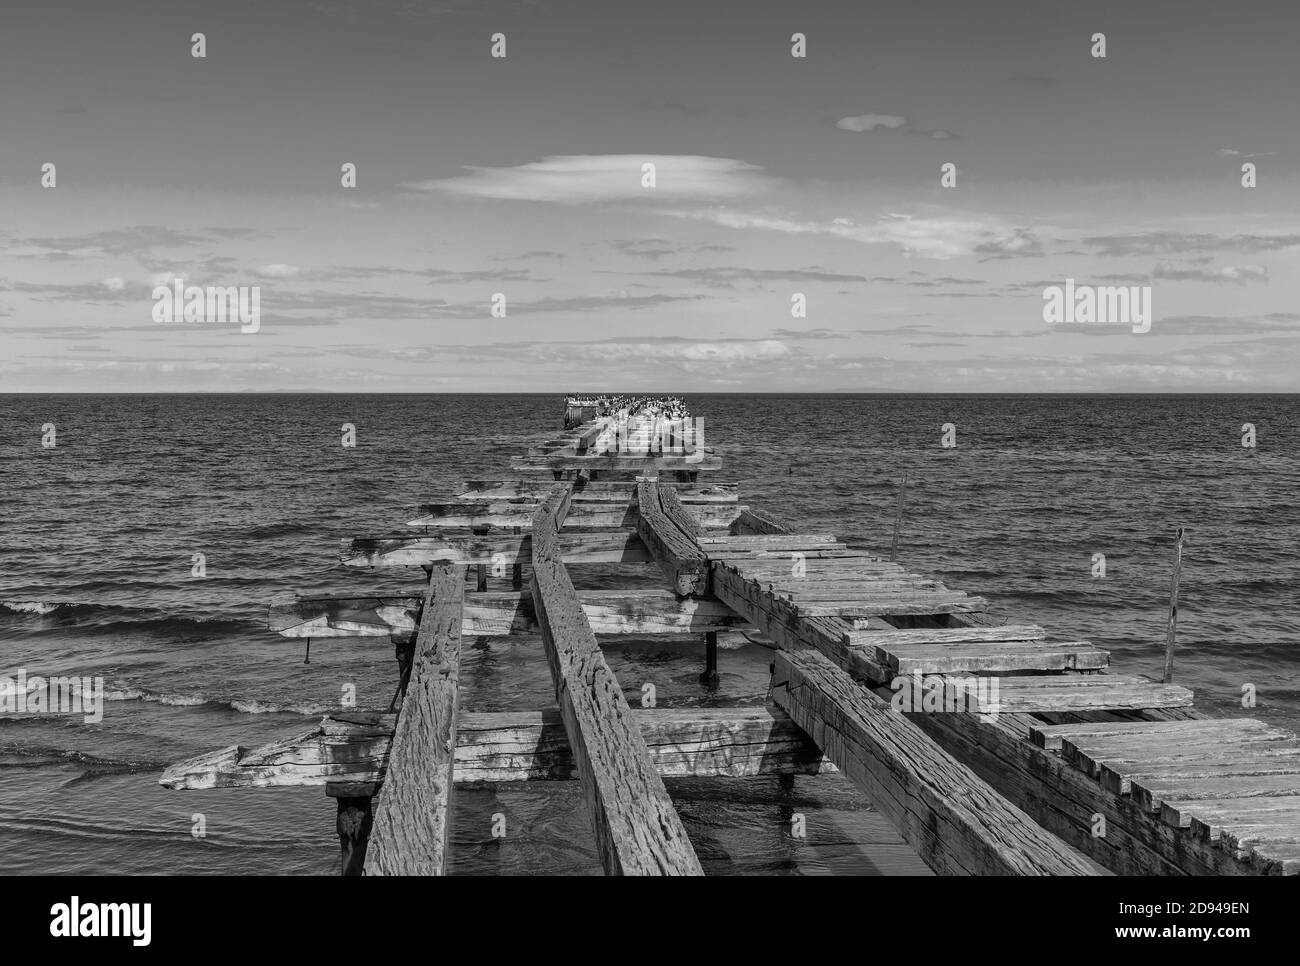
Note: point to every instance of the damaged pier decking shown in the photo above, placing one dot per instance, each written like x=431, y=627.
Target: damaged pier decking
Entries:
x=1012, y=753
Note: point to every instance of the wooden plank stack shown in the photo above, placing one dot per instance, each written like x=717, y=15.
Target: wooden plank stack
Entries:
x=1233, y=784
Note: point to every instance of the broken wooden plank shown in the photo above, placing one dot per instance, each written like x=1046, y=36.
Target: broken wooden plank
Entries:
x=605, y=464
x=502, y=548
x=918, y=605
x=682, y=562
x=412, y=814
x=1107, y=735
x=594, y=491
x=352, y=747
x=840, y=590
x=1067, y=802
x=752, y=521
x=1079, y=692
x=772, y=542
x=519, y=513
x=903, y=639
x=993, y=658
x=638, y=831
x=957, y=823
x=611, y=613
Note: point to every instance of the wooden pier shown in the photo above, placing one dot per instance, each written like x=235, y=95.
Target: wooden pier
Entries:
x=992, y=747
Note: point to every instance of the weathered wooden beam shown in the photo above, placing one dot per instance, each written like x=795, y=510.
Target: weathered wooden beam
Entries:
x=413, y=812
x=638, y=831
x=779, y=619
x=519, y=513
x=602, y=491
x=690, y=522
x=677, y=554
x=956, y=822
x=603, y=464
x=575, y=441
x=752, y=521
x=918, y=605
x=611, y=613
x=348, y=749
x=1081, y=692
x=619, y=546
x=902, y=639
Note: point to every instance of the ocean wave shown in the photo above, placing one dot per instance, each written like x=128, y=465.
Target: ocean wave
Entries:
x=263, y=707
x=37, y=607
x=101, y=617
x=140, y=694
x=41, y=755
x=243, y=706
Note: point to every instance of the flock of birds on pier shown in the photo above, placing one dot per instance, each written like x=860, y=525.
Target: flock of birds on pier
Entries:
x=669, y=407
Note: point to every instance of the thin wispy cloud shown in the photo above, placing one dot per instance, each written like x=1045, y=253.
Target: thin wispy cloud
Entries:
x=1176, y=243
x=862, y=123
x=869, y=122
x=1227, y=275
x=587, y=179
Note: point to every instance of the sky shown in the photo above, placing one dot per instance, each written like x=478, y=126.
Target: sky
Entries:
x=774, y=177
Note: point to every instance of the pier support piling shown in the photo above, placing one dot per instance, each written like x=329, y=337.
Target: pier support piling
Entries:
x=482, y=578
x=355, y=816
x=1172, y=628
x=710, y=676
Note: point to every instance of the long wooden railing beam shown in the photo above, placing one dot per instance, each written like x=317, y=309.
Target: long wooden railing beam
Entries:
x=638, y=831
x=954, y=819
x=413, y=812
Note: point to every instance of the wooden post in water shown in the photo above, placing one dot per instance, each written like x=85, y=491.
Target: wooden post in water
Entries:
x=898, y=517
x=517, y=576
x=710, y=675
x=482, y=578
x=354, y=800
x=1173, y=608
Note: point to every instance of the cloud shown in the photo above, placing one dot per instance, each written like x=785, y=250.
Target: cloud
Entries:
x=926, y=237
x=1230, y=153
x=818, y=334
x=657, y=248
x=1286, y=323
x=588, y=179
x=1176, y=243
x=724, y=277
x=869, y=122
x=1021, y=243
x=893, y=122
x=134, y=240
x=279, y=270
x=682, y=350
x=1227, y=275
